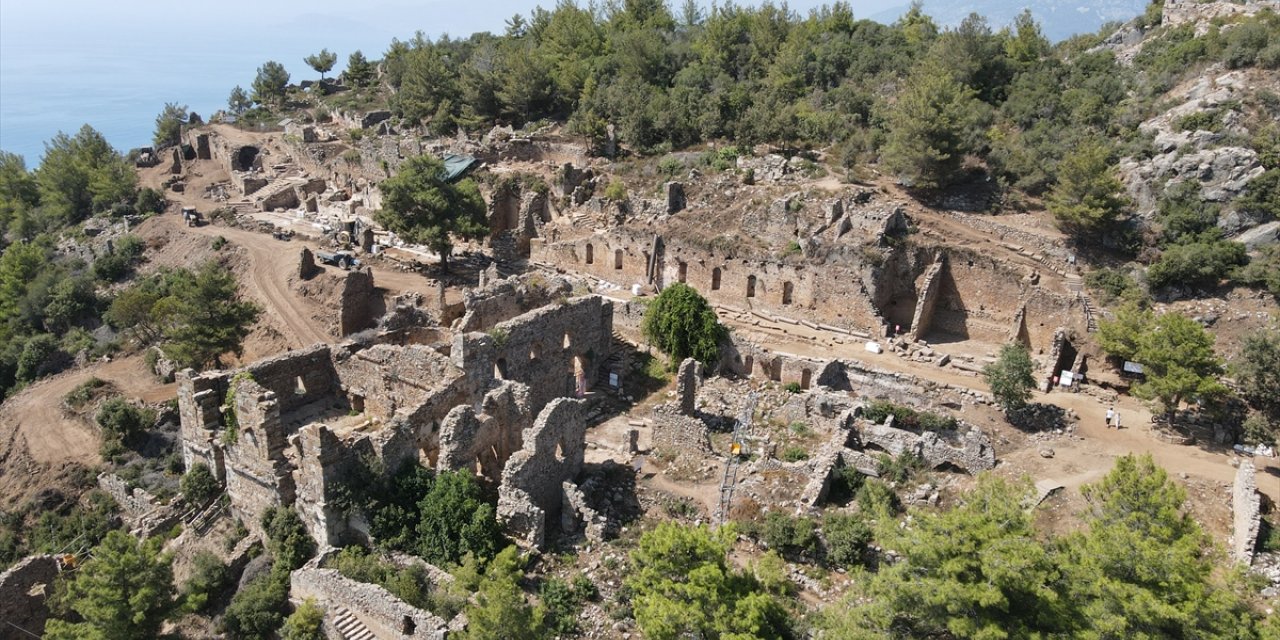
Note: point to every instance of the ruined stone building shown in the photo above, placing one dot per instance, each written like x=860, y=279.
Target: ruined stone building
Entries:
x=501, y=399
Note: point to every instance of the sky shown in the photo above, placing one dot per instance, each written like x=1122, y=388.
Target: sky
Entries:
x=114, y=65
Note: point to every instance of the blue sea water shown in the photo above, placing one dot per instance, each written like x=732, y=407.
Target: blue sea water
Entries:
x=114, y=65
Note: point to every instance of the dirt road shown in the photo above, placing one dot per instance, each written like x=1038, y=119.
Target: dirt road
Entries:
x=39, y=438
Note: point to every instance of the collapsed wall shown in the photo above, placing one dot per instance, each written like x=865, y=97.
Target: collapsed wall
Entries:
x=299, y=426
x=1246, y=510
x=24, y=592
x=531, y=496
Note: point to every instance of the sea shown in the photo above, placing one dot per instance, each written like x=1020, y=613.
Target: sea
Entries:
x=114, y=65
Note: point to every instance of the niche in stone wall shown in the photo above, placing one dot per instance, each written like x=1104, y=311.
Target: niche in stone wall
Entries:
x=715, y=279
x=787, y=291
x=617, y=258
x=591, y=254
x=751, y=286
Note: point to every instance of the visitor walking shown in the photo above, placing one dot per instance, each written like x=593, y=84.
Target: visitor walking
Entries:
x=1111, y=414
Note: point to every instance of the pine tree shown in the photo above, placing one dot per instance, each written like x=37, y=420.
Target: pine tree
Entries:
x=124, y=591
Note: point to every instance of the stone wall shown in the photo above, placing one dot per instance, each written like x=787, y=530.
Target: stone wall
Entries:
x=143, y=513
x=557, y=351
x=1246, y=510
x=483, y=441
x=969, y=451
x=531, y=496
x=384, y=615
x=358, y=301
x=508, y=298
x=24, y=590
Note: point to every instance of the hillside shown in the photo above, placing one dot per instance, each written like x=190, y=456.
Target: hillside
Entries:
x=652, y=323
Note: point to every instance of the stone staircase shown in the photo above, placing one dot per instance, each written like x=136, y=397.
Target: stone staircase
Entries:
x=1075, y=284
x=349, y=627
x=619, y=360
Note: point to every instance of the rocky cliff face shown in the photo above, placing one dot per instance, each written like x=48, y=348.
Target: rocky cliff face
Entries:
x=1214, y=159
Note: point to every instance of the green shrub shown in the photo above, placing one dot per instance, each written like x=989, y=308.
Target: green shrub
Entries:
x=122, y=421
x=682, y=323
x=37, y=357
x=287, y=539
x=562, y=602
x=793, y=387
x=198, y=485
x=84, y=392
x=670, y=167
x=1111, y=285
x=616, y=191
x=1258, y=429
x=898, y=469
x=209, y=578
x=846, y=537
x=258, y=610
x=789, y=535
x=1197, y=263
x=305, y=623
x=875, y=497
x=908, y=418
x=150, y=201
x=795, y=453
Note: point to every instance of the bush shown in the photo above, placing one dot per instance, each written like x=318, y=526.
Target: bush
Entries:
x=793, y=387
x=287, y=539
x=112, y=267
x=1111, y=285
x=898, y=469
x=306, y=623
x=150, y=201
x=83, y=392
x=258, y=610
x=562, y=602
x=209, y=578
x=908, y=418
x=198, y=485
x=38, y=357
x=1258, y=429
x=789, y=535
x=616, y=191
x=122, y=421
x=1197, y=263
x=795, y=453
x=846, y=537
x=875, y=497
x=410, y=584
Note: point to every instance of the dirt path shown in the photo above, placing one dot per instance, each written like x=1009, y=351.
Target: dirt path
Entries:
x=40, y=438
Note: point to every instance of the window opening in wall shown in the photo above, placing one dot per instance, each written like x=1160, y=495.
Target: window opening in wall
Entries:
x=560, y=452
x=787, y=289
x=568, y=342
x=715, y=279
x=684, y=271
x=591, y=254
x=299, y=388
x=500, y=369
x=357, y=403
x=534, y=352
x=407, y=626
x=747, y=364
x=751, y=286
x=579, y=378
x=805, y=376
x=617, y=259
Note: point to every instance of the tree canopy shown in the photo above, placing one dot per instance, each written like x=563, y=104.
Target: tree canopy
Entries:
x=1010, y=377
x=169, y=125
x=684, y=587
x=1088, y=197
x=682, y=323
x=322, y=62
x=422, y=207
x=269, y=85
x=124, y=591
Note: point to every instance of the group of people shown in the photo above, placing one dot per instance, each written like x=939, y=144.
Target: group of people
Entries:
x=1113, y=418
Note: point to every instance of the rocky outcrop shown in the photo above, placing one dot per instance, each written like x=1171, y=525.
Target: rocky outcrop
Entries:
x=24, y=590
x=1206, y=158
